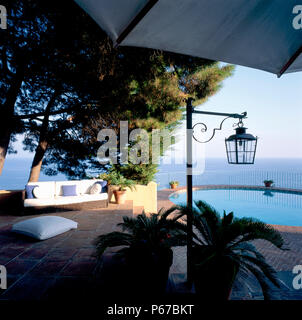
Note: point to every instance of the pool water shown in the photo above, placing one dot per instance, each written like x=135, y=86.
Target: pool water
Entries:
x=273, y=207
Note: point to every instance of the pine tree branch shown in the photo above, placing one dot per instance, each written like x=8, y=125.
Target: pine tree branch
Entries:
x=41, y=114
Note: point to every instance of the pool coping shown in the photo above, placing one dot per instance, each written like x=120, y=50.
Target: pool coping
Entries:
x=237, y=187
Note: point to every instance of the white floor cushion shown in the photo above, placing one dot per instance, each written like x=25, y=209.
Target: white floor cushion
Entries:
x=45, y=227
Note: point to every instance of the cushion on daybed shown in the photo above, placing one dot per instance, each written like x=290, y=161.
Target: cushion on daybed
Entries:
x=69, y=190
x=103, y=183
x=83, y=186
x=96, y=188
x=45, y=227
x=29, y=191
x=42, y=192
x=58, y=197
x=61, y=200
x=47, y=186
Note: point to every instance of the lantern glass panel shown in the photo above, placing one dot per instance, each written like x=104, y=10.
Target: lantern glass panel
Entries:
x=241, y=151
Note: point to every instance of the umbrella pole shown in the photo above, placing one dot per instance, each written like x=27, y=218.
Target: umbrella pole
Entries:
x=189, y=111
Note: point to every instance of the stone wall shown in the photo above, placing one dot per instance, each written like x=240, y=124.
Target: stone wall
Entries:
x=144, y=196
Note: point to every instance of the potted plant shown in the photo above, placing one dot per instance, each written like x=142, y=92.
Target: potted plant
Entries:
x=146, y=255
x=110, y=177
x=222, y=252
x=173, y=184
x=122, y=183
x=268, y=183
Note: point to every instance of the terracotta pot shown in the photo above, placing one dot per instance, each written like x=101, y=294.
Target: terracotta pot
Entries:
x=120, y=196
x=174, y=186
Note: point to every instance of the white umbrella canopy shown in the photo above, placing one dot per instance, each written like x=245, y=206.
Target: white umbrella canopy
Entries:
x=260, y=34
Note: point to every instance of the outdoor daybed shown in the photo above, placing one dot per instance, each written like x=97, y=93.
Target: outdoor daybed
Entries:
x=69, y=195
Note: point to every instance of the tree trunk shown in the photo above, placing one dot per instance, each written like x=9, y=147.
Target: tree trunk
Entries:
x=37, y=162
x=43, y=143
x=7, y=115
x=5, y=134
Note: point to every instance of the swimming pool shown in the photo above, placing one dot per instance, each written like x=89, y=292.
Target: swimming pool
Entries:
x=273, y=207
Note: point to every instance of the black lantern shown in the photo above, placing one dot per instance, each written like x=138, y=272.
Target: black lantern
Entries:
x=241, y=147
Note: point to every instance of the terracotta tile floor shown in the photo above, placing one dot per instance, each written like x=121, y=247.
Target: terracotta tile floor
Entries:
x=36, y=267
x=63, y=267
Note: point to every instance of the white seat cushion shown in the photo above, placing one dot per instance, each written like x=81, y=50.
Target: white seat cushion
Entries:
x=45, y=227
x=47, y=186
x=61, y=200
x=94, y=197
x=39, y=202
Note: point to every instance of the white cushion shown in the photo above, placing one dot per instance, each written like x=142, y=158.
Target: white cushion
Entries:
x=60, y=184
x=95, y=189
x=46, y=185
x=83, y=186
x=45, y=227
x=39, y=202
x=61, y=200
x=42, y=192
x=94, y=197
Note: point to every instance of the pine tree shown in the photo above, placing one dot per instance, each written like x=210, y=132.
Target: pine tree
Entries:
x=63, y=81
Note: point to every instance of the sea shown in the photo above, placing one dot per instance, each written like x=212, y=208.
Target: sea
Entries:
x=284, y=172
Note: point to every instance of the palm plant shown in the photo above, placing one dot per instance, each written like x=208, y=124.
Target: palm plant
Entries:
x=223, y=251
x=153, y=232
x=146, y=247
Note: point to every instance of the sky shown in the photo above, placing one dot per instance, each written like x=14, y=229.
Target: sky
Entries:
x=274, y=111
x=274, y=108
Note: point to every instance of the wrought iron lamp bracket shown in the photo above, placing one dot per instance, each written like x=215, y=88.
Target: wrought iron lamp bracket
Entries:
x=204, y=127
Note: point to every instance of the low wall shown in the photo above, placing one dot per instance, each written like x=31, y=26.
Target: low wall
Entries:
x=144, y=196
x=11, y=200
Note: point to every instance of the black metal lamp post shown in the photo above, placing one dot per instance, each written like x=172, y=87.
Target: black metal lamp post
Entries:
x=240, y=148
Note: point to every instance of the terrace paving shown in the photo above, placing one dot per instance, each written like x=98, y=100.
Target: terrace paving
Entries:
x=63, y=266
x=34, y=267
